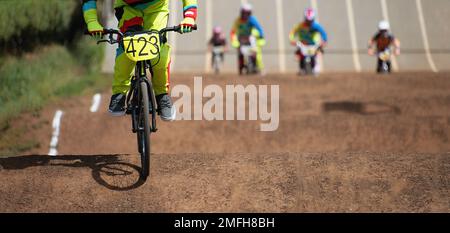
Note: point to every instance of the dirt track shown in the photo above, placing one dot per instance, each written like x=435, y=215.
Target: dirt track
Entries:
x=345, y=143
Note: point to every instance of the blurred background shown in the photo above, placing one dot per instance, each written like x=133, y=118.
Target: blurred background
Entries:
x=421, y=26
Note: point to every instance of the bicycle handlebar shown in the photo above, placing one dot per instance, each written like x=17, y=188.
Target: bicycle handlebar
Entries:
x=108, y=31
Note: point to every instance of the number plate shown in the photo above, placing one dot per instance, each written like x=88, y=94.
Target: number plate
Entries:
x=142, y=47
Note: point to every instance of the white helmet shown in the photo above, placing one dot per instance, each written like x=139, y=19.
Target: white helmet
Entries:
x=383, y=25
x=246, y=7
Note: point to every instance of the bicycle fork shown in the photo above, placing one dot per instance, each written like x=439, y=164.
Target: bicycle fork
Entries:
x=133, y=97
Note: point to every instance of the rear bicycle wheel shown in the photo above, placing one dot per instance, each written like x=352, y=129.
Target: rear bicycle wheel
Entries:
x=144, y=130
x=308, y=68
x=216, y=64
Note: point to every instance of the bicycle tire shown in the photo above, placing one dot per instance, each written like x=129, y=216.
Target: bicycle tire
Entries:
x=144, y=130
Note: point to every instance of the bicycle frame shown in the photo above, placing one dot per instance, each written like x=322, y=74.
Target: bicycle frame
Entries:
x=133, y=95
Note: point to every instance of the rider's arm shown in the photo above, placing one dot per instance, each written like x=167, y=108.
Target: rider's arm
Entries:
x=293, y=33
x=233, y=34
x=323, y=34
x=90, y=16
x=370, y=45
x=254, y=23
x=189, y=15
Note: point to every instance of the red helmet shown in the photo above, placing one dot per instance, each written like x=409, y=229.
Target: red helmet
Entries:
x=310, y=14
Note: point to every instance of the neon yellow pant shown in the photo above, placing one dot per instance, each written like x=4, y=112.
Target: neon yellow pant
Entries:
x=259, y=58
x=136, y=19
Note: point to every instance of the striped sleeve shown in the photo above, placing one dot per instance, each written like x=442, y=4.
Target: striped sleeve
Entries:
x=190, y=9
x=189, y=4
x=319, y=28
x=90, y=11
x=294, y=32
x=234, y=30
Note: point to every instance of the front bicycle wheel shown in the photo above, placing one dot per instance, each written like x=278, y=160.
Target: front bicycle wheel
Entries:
x=144, y=130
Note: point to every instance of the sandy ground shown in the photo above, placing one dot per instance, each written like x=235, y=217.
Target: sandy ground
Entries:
x=345, y=143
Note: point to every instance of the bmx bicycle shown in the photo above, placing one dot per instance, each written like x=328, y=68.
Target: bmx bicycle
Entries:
x=384, y=61
x=141, y=47
x=217, y=54
x=247, y=55
x=307, y=57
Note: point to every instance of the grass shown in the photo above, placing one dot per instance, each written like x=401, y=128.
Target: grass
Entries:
x=49, y=74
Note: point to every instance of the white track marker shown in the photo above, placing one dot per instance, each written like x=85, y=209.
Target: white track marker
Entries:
x=209, y=19
x=110, y=50
x=384, y=10
x=351, y=21
x=423, y=28
x=56, y=129
x=281, y=36
x=95, y=102
x=173, y=19
x=315, y=6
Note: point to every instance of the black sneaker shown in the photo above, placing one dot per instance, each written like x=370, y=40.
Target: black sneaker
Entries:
x=117, y=105
x=165, y=107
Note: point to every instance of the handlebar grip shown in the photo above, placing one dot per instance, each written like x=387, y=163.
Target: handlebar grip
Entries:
x=178, y=28
x=104, y=32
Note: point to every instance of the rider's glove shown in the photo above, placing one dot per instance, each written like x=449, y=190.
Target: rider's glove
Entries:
x=261, y=42
x=235, y=43
x=95, y=29
x=190, y=15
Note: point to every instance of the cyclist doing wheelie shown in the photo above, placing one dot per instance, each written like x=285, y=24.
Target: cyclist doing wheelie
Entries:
x=245, y=27
x=308, y=32
x=138, y=15
x=383, y=40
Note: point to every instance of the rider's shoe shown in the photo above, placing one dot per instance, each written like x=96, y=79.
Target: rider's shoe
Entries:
x=117, y=105
x=165, y=107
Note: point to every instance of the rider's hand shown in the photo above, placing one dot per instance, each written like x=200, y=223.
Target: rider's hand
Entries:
x=370, y=52
x=95, y=29
x=397, y=51
x=261, y=42
x=235, y=43
x=188, y=22
x=293, y=43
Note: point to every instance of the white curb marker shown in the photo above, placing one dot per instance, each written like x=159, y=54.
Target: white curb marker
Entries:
x=423, y=28
x=320, y=66
x=173, y=36
x=209, y=19
x=281, y=36
x=351, y=21
x=384, y=10
x=95, y=102
x=56, y=129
